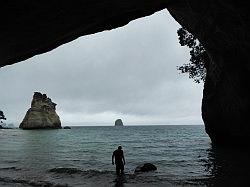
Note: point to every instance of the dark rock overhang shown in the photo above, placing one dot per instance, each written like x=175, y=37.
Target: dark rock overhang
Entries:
x=30, y=27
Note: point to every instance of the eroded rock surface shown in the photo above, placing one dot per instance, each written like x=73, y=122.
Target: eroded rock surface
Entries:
x=42, y=114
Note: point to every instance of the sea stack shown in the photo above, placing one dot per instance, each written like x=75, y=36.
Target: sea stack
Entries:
x=118, y=122
x=42, y=114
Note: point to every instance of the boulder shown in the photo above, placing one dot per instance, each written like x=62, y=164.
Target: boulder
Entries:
x=66, y=127
x=118, y=122
x=145, y=168
x=42, y=114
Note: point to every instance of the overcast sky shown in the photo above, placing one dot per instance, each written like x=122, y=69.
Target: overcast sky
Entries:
x=128, y=73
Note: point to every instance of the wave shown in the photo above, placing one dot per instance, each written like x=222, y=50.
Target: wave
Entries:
x=65, y=170
x=105, y=174
x=89, y=173
x=11, y=168
x=68, y=176
x=6, y=181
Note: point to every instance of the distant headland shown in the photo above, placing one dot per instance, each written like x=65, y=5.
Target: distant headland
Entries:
x=118, y=122
x=42, y=114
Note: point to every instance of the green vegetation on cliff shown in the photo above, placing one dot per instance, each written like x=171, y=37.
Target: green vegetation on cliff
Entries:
x=2, y=117
x=196, y=68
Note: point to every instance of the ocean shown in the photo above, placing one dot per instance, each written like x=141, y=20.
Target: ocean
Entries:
x=81, y=156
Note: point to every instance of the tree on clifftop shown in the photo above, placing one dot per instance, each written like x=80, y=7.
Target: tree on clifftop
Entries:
x=2, y=117
x=196, y=68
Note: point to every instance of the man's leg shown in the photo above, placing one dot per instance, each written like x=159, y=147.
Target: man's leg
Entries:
x=117, y=169
x=122, y=169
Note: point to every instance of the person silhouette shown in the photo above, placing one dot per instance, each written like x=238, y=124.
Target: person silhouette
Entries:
x=119, y=160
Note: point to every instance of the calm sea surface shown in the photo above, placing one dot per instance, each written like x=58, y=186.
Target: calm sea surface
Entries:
x=81, y=156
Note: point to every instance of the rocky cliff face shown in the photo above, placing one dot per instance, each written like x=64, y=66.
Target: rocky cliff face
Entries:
x=32, y=27
x=42, y=114
x=222, y=26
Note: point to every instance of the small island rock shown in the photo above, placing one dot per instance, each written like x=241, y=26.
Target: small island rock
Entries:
x=66, y=127
x=42, y=114
x=145, y=168
x=4, y=126
x=118, y=122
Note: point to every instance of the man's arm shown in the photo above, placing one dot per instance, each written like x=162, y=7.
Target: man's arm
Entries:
x=123, y=159
x=113, y=158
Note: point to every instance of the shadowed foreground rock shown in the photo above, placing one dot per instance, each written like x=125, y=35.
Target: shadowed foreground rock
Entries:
x=42, y=114
x=145, y=168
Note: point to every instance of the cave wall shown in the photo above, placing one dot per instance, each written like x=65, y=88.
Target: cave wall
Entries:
x=30, y=27
x=222, y=26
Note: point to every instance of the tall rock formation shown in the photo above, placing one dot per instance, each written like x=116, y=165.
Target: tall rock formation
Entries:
x=42, y=114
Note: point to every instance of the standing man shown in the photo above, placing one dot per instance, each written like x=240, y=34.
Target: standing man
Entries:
x=119, y=160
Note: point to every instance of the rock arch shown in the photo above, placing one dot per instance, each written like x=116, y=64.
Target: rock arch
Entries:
x=31, y=27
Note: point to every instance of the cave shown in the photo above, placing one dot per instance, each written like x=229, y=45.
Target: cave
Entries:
x=30, y=28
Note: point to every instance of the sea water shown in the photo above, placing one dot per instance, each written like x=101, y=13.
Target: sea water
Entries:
x=81, y=156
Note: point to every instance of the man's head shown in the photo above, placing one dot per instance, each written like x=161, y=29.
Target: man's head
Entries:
x=119, y=147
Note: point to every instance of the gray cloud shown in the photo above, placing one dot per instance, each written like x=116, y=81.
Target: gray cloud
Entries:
x=128, y=72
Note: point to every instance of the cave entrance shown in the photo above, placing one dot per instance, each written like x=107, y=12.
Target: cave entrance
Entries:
x=129, y=73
